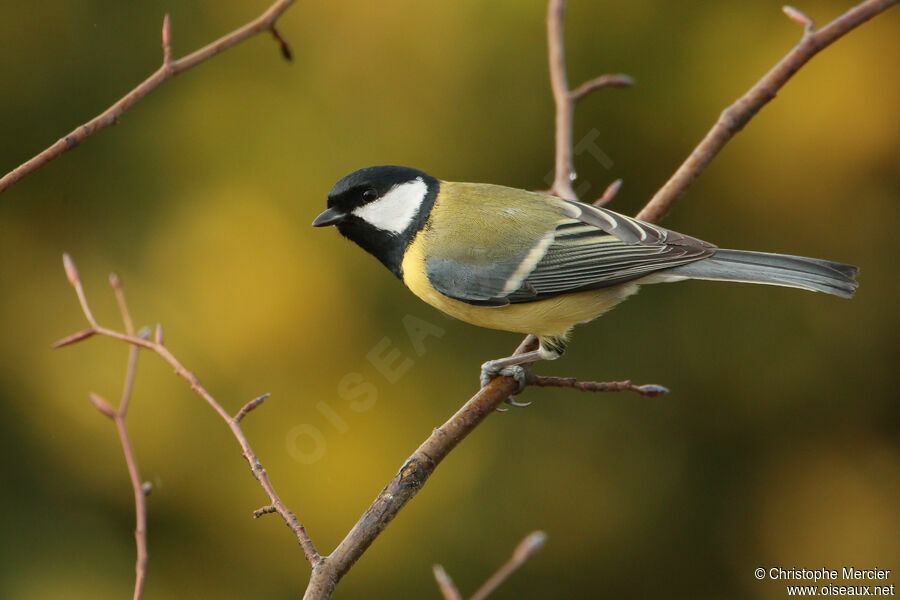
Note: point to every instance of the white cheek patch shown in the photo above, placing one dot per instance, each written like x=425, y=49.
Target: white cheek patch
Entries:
x=395, y=210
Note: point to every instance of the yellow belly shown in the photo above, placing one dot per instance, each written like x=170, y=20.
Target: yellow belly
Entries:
x=551, y=317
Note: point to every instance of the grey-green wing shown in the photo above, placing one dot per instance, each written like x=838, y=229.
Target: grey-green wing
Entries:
x=589, y=248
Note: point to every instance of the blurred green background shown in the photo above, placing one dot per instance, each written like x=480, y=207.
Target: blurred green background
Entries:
x=778, y=445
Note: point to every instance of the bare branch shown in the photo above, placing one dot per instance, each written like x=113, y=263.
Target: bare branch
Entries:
x=617, y=80
x=167, y=40
x=75, y=280
x=256, y=468
x=563, y=170
x=131, y=370
x=524, y=551
x=405, y=485
x=565, y=100
x=738, y=114
x=140, y=489
x=648, y=389
x=116, y=284
x=282, y=43
x=169, y=69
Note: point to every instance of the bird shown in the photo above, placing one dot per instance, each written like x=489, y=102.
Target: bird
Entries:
x=534, y=263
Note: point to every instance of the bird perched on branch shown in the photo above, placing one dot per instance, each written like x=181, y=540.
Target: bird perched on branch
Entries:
x=527, y=262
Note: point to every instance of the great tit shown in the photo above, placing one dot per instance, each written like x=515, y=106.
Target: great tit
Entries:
x=532, y=263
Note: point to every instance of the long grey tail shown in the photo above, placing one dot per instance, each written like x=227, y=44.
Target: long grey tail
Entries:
x=774, y=269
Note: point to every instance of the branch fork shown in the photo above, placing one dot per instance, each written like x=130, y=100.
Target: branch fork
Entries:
x=566, y=99
x=157, y=346
x=527, y=548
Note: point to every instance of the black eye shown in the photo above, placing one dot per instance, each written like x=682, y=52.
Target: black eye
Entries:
x=369, y=195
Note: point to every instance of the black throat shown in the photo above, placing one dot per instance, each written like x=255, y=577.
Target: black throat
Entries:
x=386, y=246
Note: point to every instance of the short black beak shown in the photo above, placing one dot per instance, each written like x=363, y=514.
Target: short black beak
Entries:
x=329, y=217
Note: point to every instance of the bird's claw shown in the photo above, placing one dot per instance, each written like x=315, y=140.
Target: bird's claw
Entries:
x=516, y=404
x=490, y=371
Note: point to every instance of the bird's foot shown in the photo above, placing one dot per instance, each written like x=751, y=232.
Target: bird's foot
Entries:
x=491, y=370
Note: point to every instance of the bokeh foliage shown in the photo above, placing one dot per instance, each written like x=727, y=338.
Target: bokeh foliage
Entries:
x=778, y=446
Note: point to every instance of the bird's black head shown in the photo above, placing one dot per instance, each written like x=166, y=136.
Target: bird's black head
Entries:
x=381, y=209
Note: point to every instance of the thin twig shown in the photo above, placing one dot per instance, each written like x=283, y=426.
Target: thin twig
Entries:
x=102, y=405
x=565, y=99
x=167, y=39
x=648, y=389
x=250, y=406
x=75, y=337
x=559, y=84
x=75, y=279
x=119, y=417
x=524, y=551
x=282, y=43
x=169, y=69
x=137, y=484
x=309, y=550
x=609, y=193
x=616, y=80
x=448, y=589
x=798, y=16
x=265, y=510
x=738, y=114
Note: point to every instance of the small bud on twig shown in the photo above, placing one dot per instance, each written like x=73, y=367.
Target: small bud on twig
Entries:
x=445, y=583
x=265, y=510
x=531, y=544
x=650, y=389
x=609, y=193
x=102, y=405
x=71, y=270
x=799, y=16
x=144, y=333
x=158, y=335
x=250, y=406
x=283, y=45
x=75, y=337
x=146, y=488
x=114, y=281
